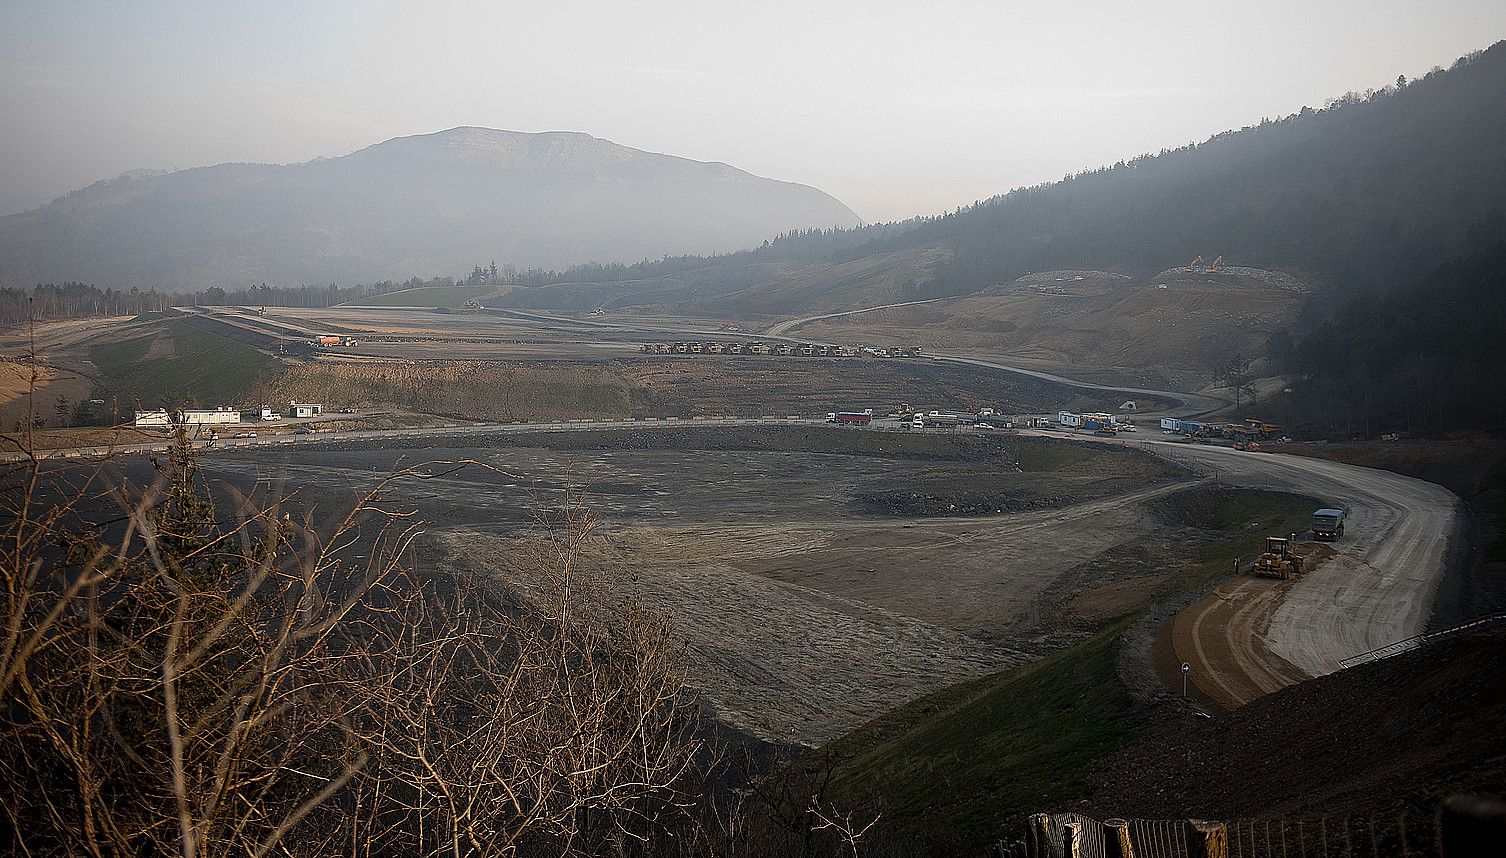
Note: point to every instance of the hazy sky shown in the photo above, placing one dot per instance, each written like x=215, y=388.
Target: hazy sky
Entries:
x=897, y=108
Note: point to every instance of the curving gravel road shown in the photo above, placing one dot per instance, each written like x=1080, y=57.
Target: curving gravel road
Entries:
x=1379, y=587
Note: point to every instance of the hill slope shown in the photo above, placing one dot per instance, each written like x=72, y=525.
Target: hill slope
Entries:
x=430, y=203
x=1376, y=189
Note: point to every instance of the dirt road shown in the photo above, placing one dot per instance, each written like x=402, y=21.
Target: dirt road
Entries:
x=1376, y=590
x=1224, y=639
x=790, y=324
x=1192, y=404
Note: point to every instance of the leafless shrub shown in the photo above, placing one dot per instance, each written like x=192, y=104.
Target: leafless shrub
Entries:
x=173, y=684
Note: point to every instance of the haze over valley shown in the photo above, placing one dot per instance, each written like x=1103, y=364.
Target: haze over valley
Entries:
x=488, y=492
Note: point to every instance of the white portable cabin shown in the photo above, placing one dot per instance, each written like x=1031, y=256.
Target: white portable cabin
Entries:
x=209, y=416
x=1170, y=424
x=304, y=409
x=155, y=419
x=1068, y=419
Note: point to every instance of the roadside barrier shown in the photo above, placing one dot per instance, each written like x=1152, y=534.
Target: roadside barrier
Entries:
x=1418, y=641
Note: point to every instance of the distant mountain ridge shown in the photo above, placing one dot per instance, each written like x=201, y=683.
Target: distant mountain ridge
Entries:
x=426, y=204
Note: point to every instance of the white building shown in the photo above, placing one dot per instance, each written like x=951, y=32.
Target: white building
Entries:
x=209, y=416
x=269, y=414
x=157, y=419
x=1068, y=419
x=304, y=409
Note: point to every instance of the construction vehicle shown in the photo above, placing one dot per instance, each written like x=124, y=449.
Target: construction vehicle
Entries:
x=1279, y=560
x=851, y=418
x=1328, y=524
x=1213, y=266
x=1192, y=266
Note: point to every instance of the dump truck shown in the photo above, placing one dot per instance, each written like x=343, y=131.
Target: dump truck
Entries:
x=1328, y=524
x=1279, y=560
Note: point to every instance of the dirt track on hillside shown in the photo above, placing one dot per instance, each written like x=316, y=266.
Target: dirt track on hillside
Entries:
x=1223, y=639
x=1378, y=587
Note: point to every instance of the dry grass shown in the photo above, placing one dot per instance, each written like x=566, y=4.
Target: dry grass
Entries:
x=484, y=390
x=1189, y=324
x=16, y=378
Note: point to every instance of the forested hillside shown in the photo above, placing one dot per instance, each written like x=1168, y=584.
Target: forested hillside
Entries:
x=1420, y=357
x=1375, y=189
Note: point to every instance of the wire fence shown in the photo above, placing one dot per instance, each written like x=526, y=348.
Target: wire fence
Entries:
x=1402, y=834
x=1409, y=835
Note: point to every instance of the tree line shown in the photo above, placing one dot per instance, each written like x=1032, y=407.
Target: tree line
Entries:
x=52, y=302
x=49, y=302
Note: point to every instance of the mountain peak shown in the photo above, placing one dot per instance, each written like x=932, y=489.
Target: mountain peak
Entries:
x=416, y=205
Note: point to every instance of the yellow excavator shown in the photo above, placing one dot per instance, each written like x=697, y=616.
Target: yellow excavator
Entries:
x=1279, y=560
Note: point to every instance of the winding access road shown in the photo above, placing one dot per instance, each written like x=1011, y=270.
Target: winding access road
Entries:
x=1253, y=636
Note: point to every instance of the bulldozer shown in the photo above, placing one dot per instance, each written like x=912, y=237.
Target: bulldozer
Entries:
x=1279, y=560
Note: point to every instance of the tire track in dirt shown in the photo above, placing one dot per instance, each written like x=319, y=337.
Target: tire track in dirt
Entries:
x=1222, y=639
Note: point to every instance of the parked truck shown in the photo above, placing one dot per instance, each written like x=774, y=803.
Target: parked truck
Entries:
x=941, y=419
x=1098, y=422
x=851, y=418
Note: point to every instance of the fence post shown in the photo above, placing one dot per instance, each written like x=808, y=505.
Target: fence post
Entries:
x=1116, y=839
x=1072, y=840
x=1473, y=825
x=1041, y=842
x=1207, y=839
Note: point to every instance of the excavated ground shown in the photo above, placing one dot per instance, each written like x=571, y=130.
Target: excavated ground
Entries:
x=806, y=606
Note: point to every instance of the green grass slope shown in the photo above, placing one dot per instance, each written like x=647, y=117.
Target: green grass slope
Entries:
x=959, y=761
x=177, y=364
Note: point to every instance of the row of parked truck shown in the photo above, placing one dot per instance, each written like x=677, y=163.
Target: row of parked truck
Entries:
x=926, y=419
x=776, y=349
